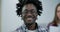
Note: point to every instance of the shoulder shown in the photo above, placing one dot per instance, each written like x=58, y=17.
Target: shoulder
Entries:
x=52, y=24
x=19, y=29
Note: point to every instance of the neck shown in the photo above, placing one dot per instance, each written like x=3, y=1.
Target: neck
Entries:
x=32, y=26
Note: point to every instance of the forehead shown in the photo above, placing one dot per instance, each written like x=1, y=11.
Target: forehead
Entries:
x=58, y=9
x=29, y=7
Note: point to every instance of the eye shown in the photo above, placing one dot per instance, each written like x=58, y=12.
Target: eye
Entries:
x=58, y=11
x=34, y=11
x=24, y=12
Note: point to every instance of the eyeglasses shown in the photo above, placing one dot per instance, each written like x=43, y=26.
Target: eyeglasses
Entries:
x=29, y=11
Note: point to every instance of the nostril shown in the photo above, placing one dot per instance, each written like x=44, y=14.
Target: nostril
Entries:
x=29, y=16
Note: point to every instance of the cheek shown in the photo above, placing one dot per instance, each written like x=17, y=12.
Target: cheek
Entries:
x=23, y=16
x=58, y=14
x=35, y=16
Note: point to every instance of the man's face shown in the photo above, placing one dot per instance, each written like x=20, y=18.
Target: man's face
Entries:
x=29, y=13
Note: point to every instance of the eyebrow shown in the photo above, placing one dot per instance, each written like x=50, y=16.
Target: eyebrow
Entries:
x=28, y=10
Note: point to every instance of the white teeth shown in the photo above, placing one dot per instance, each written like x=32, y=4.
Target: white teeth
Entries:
x=30, y=18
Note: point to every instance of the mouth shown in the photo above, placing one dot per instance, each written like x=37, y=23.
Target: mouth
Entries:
x=29, y=19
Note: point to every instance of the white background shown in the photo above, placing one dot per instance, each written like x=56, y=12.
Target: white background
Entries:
x=10, y=21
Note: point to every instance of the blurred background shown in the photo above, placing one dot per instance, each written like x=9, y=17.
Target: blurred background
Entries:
x=0, y=15
x=9, y=20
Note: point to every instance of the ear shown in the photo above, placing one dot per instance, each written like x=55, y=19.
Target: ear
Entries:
x=21, y=16
x=36, y=16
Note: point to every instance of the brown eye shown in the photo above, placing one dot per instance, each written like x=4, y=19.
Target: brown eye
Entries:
x=58, y=11
x=34, y=12
x=24, y=12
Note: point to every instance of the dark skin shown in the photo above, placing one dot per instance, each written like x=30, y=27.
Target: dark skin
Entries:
x=32, y=27
x=29, y=15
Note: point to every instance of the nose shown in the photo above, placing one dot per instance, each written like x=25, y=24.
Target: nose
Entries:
x=29, y=13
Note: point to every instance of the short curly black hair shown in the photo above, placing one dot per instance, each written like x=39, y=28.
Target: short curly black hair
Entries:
x=21, y=3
